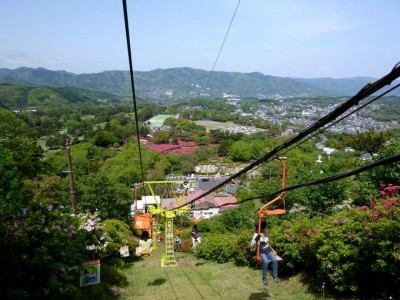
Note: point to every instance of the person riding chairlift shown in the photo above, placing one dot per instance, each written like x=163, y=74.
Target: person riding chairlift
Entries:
x=196, y=239
x=266, y=253
x=145, y=244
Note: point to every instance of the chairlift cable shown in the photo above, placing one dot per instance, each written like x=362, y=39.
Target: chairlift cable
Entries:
x=222, y=45
x=13, y=112
x=344, y=117
x=128, y=42
x=366, y=91
x=384, y=161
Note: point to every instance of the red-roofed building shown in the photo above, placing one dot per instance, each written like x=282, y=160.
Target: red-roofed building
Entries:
x=205, y=207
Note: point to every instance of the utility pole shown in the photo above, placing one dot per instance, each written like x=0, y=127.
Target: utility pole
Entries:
x=71, y=177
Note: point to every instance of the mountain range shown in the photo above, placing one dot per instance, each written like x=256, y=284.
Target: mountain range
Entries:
x=187, y=83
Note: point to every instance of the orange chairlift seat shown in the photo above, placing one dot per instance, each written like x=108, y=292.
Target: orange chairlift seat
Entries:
x=142, y=221
x=263, y=211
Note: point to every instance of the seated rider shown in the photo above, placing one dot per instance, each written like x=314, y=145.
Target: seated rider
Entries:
x=178, y=243
x=145, y=243
x=266, y=253
x=196, y=239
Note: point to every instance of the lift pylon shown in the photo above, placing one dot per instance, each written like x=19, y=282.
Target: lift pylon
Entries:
x=168, y=214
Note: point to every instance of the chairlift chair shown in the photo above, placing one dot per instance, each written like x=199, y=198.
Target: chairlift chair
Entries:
x=264, y=212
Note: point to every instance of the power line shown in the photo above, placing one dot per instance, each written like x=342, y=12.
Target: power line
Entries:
x=222, y=45
x=128, y=42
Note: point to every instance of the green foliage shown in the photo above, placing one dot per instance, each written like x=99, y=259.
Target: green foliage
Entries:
x=237, y=220
x=22, y=96
x=240, y=151
x=105, y=138
x=370, y=141
x=160, y=137
x=19, y=139
x=97, y=193
x=244, y=254
x=42, y=252
x=219, y=248
x=119, y=234
x=368, y=183
x=352, y=252
x=124, y=167
x=11, y=186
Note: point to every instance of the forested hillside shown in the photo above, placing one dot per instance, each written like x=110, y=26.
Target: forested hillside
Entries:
x=186, y=83
x=344, y=234
x=25, y=97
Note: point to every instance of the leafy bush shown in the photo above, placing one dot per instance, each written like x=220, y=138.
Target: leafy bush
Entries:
x=352, y=252
x=216, y=247
x=42, y=251
x=119, y=235
x=244, y=254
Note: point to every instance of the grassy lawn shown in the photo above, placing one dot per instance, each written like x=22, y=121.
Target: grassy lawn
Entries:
x=212, y=125
x=195, y=279
x=158, y=120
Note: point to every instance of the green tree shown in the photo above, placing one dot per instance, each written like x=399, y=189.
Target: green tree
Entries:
x=20, y=140
x=105, y=138
x=240, y=151
x=97, y=193
x=160, y=137
x=369, y=141
x=368, y=183
x=323, y=197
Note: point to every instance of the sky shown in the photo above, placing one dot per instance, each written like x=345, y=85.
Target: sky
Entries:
x=296, y=38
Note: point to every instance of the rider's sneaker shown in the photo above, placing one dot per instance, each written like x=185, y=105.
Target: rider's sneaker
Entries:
x=265, y=282
x=276, y=279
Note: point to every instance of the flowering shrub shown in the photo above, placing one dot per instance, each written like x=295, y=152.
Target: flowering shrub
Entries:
x=41, y=252
x=390, y=190
x=354, y=252
x=96, y=239
x=357, y=250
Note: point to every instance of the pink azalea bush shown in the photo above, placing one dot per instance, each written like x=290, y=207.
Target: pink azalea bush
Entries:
x=353, y=251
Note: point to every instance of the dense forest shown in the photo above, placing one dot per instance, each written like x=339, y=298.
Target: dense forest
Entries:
x=345, y=232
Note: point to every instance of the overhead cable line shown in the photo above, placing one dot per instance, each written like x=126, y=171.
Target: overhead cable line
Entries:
x=366, y=91
x=128, y=42
x=222, y=45
x=384, y=161
x=332, y=124
x=344, y=117
x=13, y=112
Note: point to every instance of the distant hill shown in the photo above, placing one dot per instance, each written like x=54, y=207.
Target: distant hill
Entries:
x=341, y=86
x=187, y=83
x=17, y=96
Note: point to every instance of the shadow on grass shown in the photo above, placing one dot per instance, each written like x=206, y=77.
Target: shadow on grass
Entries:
x=316, y=288
x=369, y=288
x=156, y=282
x=111, y=276
x=313, y=285
x=259, y=296
x=199, y=264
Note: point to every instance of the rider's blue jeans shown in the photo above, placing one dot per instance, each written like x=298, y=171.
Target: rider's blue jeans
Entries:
x=267, y=257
